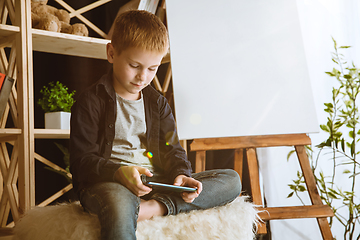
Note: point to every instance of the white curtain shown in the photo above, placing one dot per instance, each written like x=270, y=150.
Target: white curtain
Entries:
x=320, y=20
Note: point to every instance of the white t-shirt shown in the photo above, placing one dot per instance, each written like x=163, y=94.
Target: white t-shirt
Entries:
x=130, y=133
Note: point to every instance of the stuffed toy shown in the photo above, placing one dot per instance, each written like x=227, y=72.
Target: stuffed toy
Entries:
x=49, y=18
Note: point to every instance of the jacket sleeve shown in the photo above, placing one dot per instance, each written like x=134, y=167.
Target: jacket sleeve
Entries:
x=173, y=155
x=87, y=164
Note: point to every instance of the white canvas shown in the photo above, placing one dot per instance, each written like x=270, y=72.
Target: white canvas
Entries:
x=239, y=68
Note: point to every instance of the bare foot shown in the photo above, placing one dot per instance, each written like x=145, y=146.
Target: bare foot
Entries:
x=151, y=208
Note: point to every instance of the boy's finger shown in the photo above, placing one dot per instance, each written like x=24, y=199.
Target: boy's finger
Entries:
x=199, y=188
x=195, y=183
x=140, y=192
x=177, y=182
x=144, y=171
x=189, y=197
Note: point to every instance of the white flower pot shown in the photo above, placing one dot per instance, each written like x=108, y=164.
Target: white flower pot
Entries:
x=57, y=120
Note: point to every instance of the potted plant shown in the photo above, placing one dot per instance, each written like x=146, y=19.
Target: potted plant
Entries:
x=56, y=102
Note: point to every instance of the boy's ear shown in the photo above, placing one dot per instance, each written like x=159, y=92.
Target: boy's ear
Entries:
x=110, y=51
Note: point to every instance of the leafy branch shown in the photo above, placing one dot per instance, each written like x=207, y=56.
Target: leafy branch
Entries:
x=342, y=127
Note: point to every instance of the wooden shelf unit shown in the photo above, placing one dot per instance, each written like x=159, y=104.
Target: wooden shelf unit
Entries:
x=17, y=178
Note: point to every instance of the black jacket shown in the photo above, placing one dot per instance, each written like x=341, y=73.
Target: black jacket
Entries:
x=93, y=129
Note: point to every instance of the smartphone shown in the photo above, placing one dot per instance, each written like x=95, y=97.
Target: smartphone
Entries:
x=166, y=187
x=169, y=187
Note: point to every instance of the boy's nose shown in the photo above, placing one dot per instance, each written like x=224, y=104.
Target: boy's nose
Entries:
x=141, y=76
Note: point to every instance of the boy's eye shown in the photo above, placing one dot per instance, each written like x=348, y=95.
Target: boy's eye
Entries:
x=134, y=66
x=152, y=69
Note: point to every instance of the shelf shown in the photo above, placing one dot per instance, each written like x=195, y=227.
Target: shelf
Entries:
x=18, y=162
x=8, y=30
x=41, y=133
x=60, y=43
x=9, y=134
x=7, y=34
x=69, y=44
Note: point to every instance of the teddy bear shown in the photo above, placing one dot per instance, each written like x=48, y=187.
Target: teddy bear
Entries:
x=49, y=18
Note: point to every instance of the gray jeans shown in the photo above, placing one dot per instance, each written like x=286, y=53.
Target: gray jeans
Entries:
x=118, y=208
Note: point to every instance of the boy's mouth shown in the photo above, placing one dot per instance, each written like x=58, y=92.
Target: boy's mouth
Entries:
x=137, y=84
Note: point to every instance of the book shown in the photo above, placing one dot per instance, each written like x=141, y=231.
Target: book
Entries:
x=148, y=5
x=5, y=91
x=2, y=77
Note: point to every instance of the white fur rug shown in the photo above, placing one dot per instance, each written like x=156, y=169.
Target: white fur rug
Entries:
x=68, y=221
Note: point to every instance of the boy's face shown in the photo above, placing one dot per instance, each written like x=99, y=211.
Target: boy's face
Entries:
x=133, y=69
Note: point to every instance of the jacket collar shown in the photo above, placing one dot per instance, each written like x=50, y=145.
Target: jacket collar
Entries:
x=105, y=83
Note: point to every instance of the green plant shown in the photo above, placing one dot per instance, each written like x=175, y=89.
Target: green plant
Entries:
x=56, y=98
x=343, y=134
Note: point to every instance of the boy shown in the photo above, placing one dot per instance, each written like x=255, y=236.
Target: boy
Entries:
x=122, y=128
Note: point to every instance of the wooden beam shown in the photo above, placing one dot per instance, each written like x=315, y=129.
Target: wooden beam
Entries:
x=312, y=211
x=10, y=131
x=56, y=196
x=250, y=141
x=4, y=166
x=83, y=19
x=200, y=161
x=7, y=67
x=51, y=164
x=312, y=189
x=167, y=79
x=157, y=84
x=308, y=175
x=3, y=12
x=166, y=58
x=11, y=10
x=254, y=183
x=25, y=106
x=52, y=133
x=10, y=184
x=238, y=161
x=254, y=176
x=11, y=71
x=88, y=7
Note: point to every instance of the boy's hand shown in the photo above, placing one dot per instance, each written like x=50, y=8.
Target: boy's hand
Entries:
x=129, y=176
x=183, y=180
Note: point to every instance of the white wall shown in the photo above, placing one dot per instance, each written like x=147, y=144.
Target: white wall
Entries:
x=320, y=19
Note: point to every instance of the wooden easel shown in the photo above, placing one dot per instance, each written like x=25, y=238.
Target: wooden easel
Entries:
x=249, y=144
